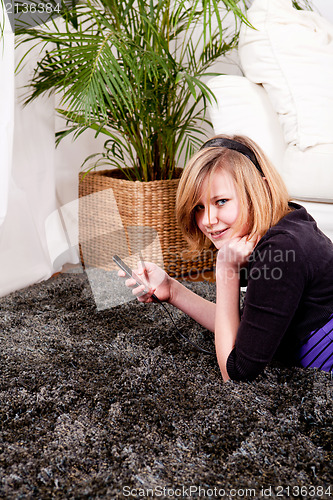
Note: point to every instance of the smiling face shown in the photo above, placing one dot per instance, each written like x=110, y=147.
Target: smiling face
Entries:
x=237, y=192
x=218, y=208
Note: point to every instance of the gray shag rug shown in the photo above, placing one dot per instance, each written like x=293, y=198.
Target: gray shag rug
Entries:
x=110, y=403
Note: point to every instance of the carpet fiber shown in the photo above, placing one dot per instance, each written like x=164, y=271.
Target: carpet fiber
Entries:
x=111, y=404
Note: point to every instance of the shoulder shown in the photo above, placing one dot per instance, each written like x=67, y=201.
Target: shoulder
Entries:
x=297, y=231
x=296, y=243
x=281, y=251
x=284, y=239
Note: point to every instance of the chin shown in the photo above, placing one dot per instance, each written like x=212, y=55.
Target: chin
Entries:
x=218, y=244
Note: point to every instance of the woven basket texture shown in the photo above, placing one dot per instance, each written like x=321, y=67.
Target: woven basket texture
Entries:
x=134, y=219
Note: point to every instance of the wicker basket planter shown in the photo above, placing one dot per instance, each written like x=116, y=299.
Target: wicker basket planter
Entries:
x=127, y=216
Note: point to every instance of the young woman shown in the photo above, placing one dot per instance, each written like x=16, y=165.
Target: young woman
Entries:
x=230, y=196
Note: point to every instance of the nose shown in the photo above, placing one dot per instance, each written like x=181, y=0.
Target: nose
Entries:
x=209, y=217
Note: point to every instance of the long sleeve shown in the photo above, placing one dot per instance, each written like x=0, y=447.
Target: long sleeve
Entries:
x=277, y=277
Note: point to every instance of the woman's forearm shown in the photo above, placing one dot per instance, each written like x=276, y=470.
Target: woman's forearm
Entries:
x=198, y=308
x=227, y=316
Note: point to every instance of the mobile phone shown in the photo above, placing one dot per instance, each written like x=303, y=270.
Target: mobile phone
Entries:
x=120, y=263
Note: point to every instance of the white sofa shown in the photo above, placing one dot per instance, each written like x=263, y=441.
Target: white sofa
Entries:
x=284, y=101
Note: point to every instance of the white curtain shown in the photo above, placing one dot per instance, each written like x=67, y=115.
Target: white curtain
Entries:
x=6, y=112
x=36, y=180
x=28, y=177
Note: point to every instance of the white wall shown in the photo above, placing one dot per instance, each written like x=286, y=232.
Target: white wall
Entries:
x=325, y=8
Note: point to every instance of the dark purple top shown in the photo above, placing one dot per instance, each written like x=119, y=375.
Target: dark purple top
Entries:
x=289, y=294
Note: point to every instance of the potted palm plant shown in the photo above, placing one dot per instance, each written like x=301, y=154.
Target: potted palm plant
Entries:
x=134, y=71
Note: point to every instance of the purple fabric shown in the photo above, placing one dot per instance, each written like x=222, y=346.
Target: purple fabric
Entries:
x=317, y=350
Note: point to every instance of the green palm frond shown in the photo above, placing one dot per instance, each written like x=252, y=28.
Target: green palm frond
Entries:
x=134, y=70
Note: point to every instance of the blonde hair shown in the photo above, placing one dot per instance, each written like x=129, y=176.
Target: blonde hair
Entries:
x=263, y=198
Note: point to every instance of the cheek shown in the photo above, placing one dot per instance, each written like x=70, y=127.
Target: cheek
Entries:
x=236, y=216
x=198, y=220
x=234, y=213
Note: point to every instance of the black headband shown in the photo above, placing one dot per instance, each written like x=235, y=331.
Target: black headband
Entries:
x=221, y=142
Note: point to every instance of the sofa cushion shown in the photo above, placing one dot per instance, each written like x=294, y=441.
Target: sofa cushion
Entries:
x=242, y=107
x=291, y=54
x=309, y=174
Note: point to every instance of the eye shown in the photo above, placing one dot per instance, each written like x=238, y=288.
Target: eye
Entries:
x=197, y=208
x=221, y=202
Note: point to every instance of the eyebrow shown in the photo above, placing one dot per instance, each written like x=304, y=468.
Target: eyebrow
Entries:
x=220, y=197
x=214, y=198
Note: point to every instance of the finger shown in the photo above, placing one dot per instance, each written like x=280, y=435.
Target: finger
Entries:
x=140, y=291
x=140, y=269
x=143, y=273
x=253, y=240
x=145, y=299
x=121, y=273
x=253, y=243
x=130, y=282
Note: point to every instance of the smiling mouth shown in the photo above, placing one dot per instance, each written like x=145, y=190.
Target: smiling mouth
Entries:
x=217, y=234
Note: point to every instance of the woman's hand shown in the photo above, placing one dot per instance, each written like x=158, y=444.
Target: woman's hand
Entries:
x=235, y=253
x=155, y=280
